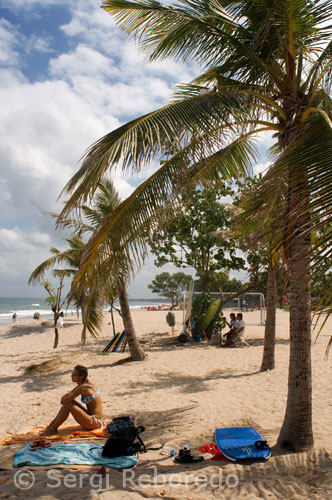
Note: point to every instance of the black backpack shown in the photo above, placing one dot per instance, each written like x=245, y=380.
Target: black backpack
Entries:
x=125, y=439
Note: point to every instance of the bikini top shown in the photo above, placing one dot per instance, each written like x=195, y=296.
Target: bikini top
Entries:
x=88, y=399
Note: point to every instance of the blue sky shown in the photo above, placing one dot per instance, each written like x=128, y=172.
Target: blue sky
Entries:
x=68, y=76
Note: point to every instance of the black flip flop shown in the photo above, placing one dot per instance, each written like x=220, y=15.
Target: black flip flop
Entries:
x=187, y=459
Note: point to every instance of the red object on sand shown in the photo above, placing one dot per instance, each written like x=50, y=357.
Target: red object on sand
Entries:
x=212, y=448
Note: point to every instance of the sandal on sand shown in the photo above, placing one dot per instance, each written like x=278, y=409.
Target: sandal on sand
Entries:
x=187, y=459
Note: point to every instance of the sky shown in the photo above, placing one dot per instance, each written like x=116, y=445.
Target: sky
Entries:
x=68, y=76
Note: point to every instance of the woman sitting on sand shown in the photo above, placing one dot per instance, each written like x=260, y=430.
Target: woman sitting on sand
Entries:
x=89, y=417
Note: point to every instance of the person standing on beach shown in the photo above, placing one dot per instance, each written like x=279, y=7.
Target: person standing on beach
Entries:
x=14, y=317
x=170, y=318
x=60, y=321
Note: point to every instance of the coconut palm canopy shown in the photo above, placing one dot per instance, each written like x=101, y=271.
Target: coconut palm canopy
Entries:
x=266, y=66
x=97, y=286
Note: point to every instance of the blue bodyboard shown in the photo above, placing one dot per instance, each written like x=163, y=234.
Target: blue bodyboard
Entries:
x=242, y=443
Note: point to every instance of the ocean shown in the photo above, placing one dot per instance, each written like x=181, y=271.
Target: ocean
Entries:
x=26, y=307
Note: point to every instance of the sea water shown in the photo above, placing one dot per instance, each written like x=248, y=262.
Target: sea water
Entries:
x=23, y=307
x=26, y=307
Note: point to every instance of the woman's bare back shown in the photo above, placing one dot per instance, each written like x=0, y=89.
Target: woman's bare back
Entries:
x=94, y=406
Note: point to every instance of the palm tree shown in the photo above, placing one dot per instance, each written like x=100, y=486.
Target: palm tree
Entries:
x=94, y=288
x=262, y=249
x=84, y=296
x=105, y=202
x=260, y=256
x=267, y=67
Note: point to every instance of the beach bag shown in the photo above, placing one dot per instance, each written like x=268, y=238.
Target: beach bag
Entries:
x=119, y=423
x=125, y=438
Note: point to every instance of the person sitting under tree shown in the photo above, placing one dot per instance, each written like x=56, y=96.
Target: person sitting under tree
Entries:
x=233, y=326
x=237, y=335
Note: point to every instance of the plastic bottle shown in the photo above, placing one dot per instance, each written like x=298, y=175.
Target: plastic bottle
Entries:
x=172, y=452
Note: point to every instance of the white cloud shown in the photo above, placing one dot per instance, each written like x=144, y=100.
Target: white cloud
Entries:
x=21, y=252
x=98, y=29
x=29, y=4
x=39, y=44
x=12, y=239
x=266, y=139
x=9, y=77
x=47, y=125
x=261, y=168
x=9, y=43
x=84, y=61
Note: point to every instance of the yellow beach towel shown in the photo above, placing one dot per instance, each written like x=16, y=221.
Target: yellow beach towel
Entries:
x=64, y=432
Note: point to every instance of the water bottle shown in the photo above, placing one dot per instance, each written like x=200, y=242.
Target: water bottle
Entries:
x=171, y=452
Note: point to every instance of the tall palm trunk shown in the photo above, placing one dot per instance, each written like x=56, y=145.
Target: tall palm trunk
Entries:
x=112, y=316
x=84, y=310
x=296, y=432
x=56, y=330
x=136, y=351
x=270, y=324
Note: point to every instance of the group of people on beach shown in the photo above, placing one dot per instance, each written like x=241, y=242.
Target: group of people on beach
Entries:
x=234, y=336
x=236, y=331
x=36, y=315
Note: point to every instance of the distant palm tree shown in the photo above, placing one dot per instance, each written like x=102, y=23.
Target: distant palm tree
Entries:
x=92, y=290
x=262, y=247
x=88, y=300
x=105, y=201
x=267, y=68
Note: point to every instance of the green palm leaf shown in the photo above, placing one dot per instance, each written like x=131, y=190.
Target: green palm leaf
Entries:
x=137, y=142
x=134, y=217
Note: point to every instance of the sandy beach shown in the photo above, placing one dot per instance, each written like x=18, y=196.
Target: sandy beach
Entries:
x=180, y=394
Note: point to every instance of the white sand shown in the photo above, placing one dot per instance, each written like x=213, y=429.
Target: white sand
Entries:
x=180, y=394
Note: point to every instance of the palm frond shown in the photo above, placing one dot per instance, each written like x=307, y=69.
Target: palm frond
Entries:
x=94, y=317
x=38, y=275
x=200, y=31
x=132, y=219
x=76, y=225
x=66, y=273
x=137, y=142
